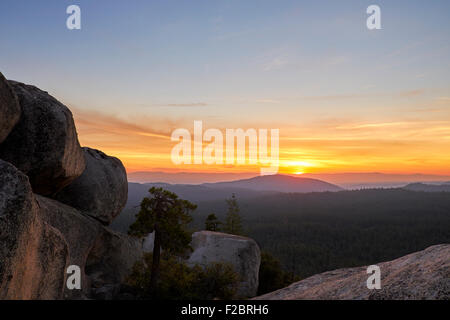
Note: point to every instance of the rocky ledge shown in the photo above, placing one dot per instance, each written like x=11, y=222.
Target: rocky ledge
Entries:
x=420, y=275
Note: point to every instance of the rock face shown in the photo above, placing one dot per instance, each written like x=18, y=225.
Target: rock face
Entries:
x=104, y=256
x=9, y=108
x=44, y=143
x=33, y=255
x=40, y=237
x=110, y=262
x=421, y=275
x=101, y=191
x=243, y=253
x=80, y=232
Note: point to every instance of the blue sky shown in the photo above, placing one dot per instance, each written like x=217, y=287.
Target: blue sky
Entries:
x=235, y=63
x=212, y=52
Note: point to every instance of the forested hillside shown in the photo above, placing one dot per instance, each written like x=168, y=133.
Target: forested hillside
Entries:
x=315, y=232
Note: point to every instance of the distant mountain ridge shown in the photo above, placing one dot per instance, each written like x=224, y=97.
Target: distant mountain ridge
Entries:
x=245, y=188
x=349, y=180
x=376, y=179
x=194, y=193
x=279, y=183
x=445, y=187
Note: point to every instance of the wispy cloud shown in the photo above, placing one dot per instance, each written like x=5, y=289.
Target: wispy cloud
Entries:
x=405, y=49
x=93, y=122
x=216, y=20
x=374, y=125
x=443, y=99
x=428, y=110
x=412, y=93
x=176, y=105
x=336, y=96
x=267, y=101
x=232, y=35
x=407, y=93
x=195, y=104
x=275, y=64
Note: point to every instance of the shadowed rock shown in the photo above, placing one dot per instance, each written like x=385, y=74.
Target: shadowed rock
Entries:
x=111, y=261
x=105, y=257
x=80, y=233
x=101, y=191
x=44, y=143
x=241, y=252
x=9, y=108
x=420, y=275
x=33, y=255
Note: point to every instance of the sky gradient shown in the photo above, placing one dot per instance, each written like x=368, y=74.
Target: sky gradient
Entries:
x=346, y=99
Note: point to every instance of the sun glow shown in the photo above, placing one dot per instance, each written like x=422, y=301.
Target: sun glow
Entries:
x=298, y=164
x=296, y=167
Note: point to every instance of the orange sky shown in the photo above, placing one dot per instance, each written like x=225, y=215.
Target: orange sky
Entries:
x=328, y=146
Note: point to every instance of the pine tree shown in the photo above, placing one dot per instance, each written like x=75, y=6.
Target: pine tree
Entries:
x=168, y=216
x=233, y=222
x=212, y=223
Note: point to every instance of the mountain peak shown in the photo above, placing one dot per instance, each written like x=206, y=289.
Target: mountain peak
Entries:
x=280, y=183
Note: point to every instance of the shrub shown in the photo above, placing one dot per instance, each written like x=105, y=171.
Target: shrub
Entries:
x=271, y=276
x=178, y=281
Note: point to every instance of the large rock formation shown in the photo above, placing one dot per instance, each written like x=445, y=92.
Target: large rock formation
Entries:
x=101, y=191
x=9, y=108
x=44, y=143
x=421, y=275
x=40, y=237
x=241, y=252
x=33, y=255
